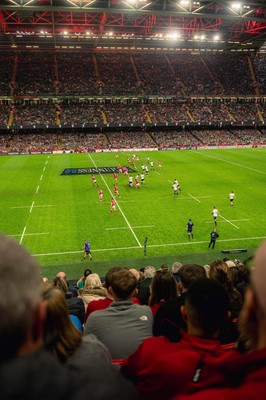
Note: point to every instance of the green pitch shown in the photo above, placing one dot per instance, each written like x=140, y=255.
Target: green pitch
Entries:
x=52, y=215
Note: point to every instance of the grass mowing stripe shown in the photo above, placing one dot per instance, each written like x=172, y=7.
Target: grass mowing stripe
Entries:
x=231, y=162
x=133, y=233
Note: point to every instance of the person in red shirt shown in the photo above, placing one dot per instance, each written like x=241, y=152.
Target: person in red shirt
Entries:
x=120, y=169
x=113, y=206
x=137, y=183
x=94, y=181
x=125, y=170
x=100, y=192
x=116, y=191
x=161, y=368
x=115, y=176
x=245, y=377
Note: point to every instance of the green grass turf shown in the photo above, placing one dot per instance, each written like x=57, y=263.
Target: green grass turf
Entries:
x=66, y=209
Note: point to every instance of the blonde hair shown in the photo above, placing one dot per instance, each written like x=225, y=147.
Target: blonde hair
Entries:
x=92, y=281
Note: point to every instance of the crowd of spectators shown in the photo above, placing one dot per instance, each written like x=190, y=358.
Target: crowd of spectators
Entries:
x=82, y=141
x=81, y=112
x=199, y=330
x=116, y=74
x=130, y=140
x=104, y=74
x=175, y=140
x=35, y=74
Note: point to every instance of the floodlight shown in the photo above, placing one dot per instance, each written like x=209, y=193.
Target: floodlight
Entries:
x=236, y=6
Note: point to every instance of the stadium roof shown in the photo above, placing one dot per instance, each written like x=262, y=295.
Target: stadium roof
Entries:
x=175, y=25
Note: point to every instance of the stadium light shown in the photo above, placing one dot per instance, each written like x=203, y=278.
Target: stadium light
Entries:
x=236, y=6
x=216, y=37
x=184, y=3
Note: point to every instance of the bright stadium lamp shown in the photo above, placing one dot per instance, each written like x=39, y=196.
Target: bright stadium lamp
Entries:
x=236, y=6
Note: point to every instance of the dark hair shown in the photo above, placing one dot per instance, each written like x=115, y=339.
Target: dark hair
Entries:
x=207, y=304
x=163, y=287
x=107, y=279
x=123, y=283
x=219, y=271
x=191, y=272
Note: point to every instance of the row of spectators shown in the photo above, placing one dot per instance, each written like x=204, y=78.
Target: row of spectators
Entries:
x=131, y=74
x=83, y=141
x=82, y=112
x=174, y=333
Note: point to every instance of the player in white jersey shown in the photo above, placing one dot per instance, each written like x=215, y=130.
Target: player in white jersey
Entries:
x=215, y=214
x=232, y=197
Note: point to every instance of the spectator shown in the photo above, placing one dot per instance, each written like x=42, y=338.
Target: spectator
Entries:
x=93, y=290
x=163, y=289
x=124, y=324
x=245, y=377
x=81, y=281
x=27, y=370
x=161, y=368
x=71, y=288
x=144, y=287
x=75, y=305
x=168, y=320
x=61, y=337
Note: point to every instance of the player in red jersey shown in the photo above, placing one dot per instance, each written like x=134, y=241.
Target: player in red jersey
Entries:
x=94, y=181
x=125, y=170
x=113, y=206
x=116, y=191
x=137, y=183
x=159, y=164
x=115, y=176
x=120, y=169
x=100, y=192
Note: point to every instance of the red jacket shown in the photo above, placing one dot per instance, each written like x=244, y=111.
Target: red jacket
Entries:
x=245, y=377
x=161, y=368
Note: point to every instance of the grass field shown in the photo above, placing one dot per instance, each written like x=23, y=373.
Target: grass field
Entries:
x=52, y=214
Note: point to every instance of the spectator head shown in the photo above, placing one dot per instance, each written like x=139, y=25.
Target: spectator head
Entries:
x=163, y=287
x=123, y=285
x=219, y=271
x=176, y=267
x=164, y=267
x=149, y=272
x=62, y=275
x=107, y=280
x=92, y=281
x=62, y=284
x=60, y=335
x=87, y=272
x=135, y=272
x=206, y=308
x=188, y=274
x=21, y=306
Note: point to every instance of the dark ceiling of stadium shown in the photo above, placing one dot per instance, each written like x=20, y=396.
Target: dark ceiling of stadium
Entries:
x=176, y=25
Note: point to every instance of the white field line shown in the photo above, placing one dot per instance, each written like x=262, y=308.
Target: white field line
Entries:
x=22, y=236
x=157, y=172
x=194, y=198
x=230, y=162
x=133, y=227
x=37, y=190
x=41, y=177
x=133, y=233
x=47, y=205
x=232, y=220
x=44, y=169
x=170, y=181
x=227, y=220
x=32, y=234
x=153, y=245
x=31, y=206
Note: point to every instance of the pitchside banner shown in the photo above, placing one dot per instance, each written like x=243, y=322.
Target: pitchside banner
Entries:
x=98, y=170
